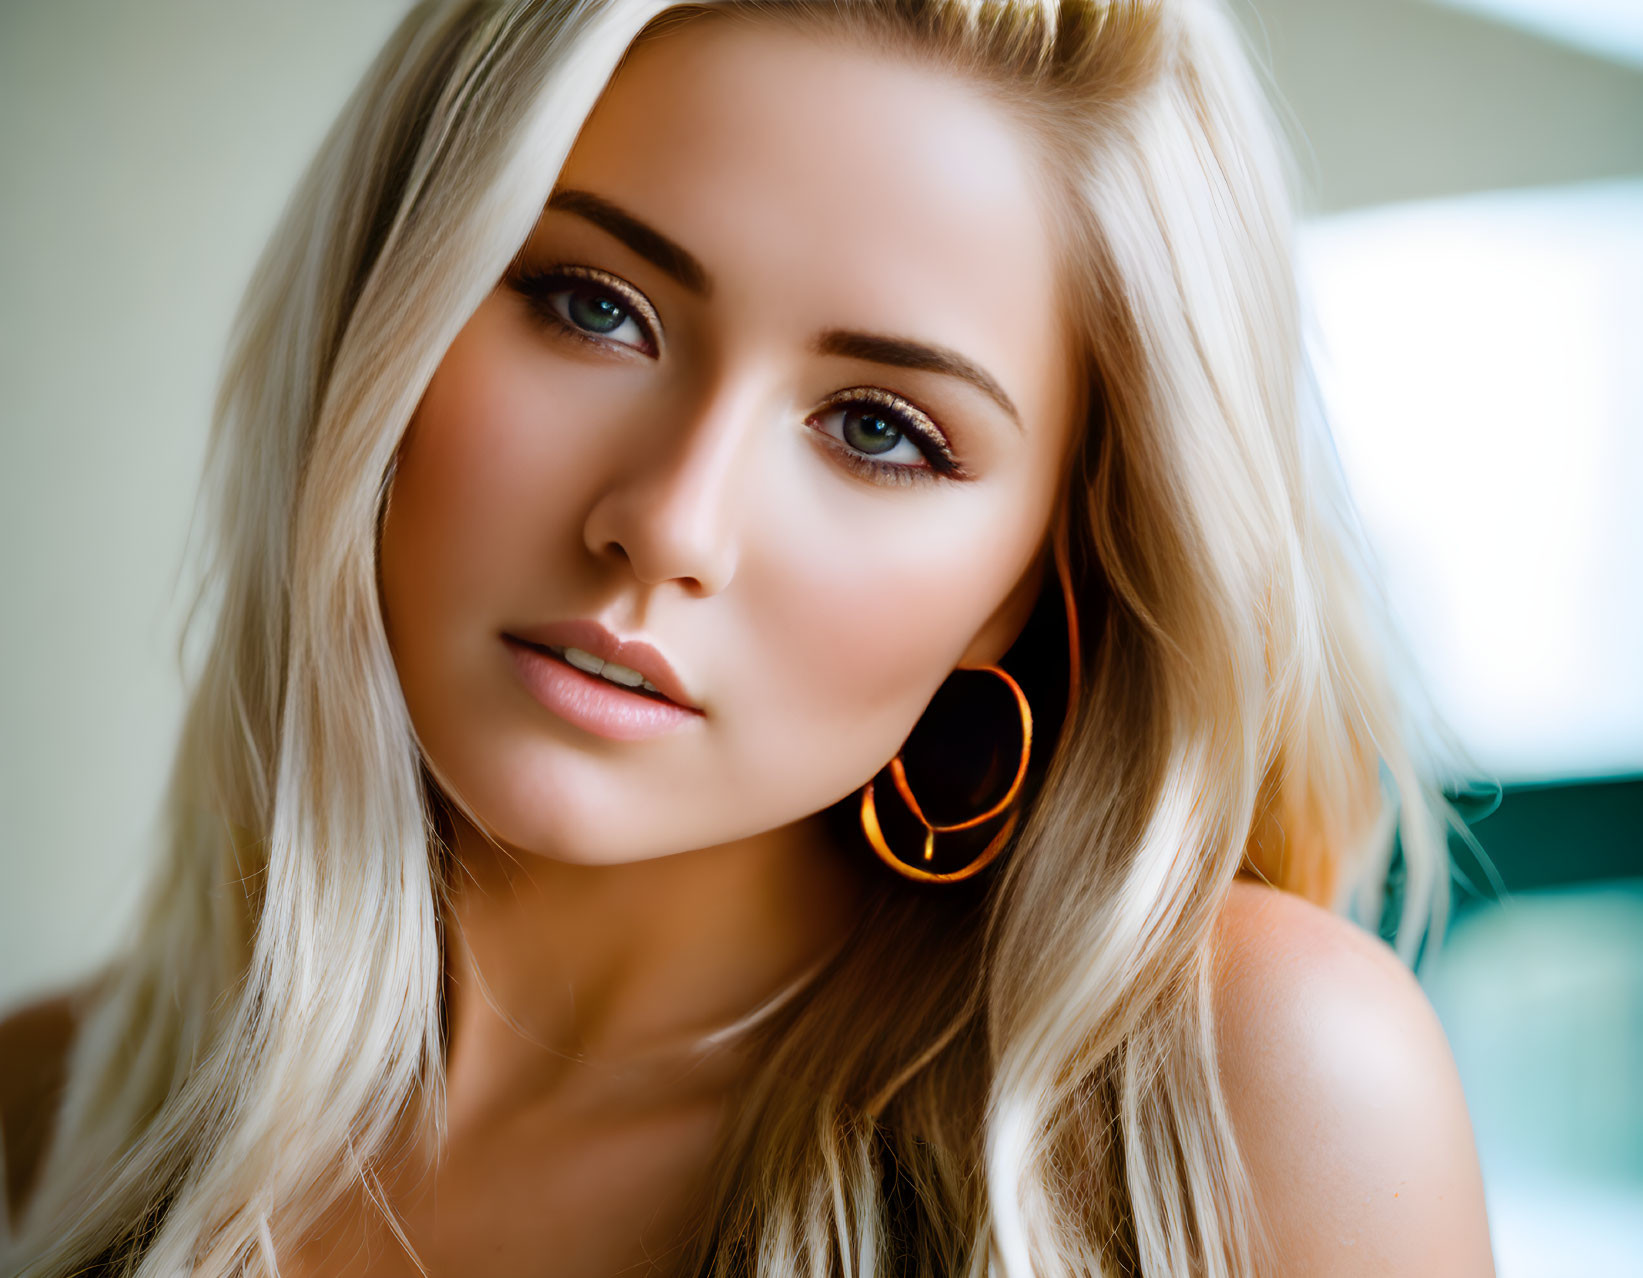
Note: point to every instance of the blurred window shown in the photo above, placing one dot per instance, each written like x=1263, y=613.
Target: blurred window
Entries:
x=1481, y=361
x=1611, y=28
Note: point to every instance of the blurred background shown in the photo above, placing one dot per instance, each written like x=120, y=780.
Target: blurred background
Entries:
x=1473, y=252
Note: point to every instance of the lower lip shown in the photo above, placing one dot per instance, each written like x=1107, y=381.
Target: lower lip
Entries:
x=597, y=705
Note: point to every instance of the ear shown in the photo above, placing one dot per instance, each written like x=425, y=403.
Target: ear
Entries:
x=1006, y=622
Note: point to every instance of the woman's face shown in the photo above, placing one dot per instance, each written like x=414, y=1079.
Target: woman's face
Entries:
x=780, y=386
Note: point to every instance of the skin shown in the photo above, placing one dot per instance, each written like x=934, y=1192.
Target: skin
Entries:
x=693, y=490
x=1344, y=1095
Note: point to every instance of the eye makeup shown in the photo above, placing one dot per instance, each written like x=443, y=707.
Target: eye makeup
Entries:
x=906, y=420
x=588, y=284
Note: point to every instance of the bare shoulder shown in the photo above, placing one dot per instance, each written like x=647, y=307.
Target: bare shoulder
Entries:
x=1344, y=1095
x=34, y=1045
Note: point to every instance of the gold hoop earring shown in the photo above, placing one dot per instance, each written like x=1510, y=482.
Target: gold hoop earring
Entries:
x=898, y=772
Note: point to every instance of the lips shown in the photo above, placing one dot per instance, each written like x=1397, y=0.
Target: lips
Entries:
x=636, y=654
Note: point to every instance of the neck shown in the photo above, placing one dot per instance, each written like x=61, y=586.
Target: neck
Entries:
x=561, y=976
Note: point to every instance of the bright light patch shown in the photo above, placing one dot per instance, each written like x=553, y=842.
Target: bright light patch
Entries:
x=1611, y=28
x=1482, y=365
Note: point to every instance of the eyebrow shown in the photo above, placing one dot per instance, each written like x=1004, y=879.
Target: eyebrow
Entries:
x=646, y=241
x=687, y=269
x=900, y=352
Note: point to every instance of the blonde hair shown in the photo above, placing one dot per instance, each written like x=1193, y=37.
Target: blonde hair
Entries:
x=1032, y=1088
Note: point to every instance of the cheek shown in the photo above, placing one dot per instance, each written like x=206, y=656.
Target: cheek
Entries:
x=862, y=610
x=479, y=513
x=476, y=523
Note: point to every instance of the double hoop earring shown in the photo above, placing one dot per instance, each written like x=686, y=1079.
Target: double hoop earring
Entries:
x=898, y=772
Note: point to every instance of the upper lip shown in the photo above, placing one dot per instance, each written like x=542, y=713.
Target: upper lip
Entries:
x=593, y=636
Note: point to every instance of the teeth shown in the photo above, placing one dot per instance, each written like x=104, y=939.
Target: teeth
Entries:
x=624, y=675
x=584, y=660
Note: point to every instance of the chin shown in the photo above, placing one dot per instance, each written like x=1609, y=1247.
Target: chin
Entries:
x=537, y=803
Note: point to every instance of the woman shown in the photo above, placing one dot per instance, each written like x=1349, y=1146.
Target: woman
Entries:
x=774, y=604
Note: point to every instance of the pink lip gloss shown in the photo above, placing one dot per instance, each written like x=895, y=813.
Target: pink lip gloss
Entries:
x=591, y=703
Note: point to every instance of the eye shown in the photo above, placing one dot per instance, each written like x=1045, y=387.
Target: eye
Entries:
x=591, y=305
x=883, y=436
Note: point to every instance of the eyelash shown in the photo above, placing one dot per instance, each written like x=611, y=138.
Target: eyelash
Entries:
x=538, y=286
x=911, y=422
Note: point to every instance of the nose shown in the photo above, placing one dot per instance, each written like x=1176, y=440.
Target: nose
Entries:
x=673, y=510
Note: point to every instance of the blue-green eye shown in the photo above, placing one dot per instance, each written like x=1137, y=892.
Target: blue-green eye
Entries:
x=596, y=312
x=871, y=430
x=885, y=437
x=592, y=305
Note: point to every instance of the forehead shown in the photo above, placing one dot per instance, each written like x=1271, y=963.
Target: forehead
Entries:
x=823, y=183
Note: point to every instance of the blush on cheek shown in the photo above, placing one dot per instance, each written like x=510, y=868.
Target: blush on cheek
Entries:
x=497, y=467
x=862, y=650
x=489, y=418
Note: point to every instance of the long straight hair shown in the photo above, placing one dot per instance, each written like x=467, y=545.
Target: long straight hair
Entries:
x=1030, y=1086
